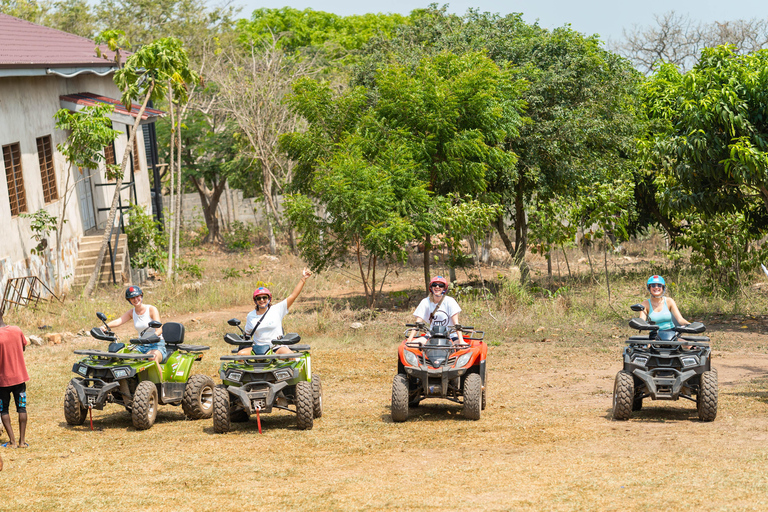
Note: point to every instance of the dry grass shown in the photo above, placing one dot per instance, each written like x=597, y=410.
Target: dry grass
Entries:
x=546, y=441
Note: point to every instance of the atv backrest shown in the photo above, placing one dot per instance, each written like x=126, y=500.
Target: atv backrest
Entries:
x=173, y=333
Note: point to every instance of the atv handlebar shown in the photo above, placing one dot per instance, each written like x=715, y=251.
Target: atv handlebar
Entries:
x=100, y=334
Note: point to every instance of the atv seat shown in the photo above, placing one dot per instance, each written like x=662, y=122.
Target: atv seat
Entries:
x=173, y=334
x=639, y=338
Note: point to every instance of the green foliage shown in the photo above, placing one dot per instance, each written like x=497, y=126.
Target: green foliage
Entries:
x=43, y=223
x=89, y=132
x=239, y=237
x=145, y=241
x=190, y=269
x=230, y=273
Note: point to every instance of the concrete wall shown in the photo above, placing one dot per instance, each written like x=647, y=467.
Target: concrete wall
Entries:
x=248, y=210
x=27, y=107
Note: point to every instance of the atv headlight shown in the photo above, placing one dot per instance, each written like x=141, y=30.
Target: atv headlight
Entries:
x=640, y=360
x=120, y=373
x=82, y=370
x=234, y=376
x=283, y=374
x=689, y=361
x=411, y=359
x=463, y=360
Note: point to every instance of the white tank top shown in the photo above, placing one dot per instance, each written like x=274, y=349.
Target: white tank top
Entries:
x=141, y=322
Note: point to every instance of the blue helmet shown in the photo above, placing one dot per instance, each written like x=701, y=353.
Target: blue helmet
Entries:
x=655, y=280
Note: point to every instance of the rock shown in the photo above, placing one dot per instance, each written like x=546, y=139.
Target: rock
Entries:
x=36, y=340
x=499, y=255
x=52, y=338
x=540, y=328
x=269, y=257
x=192, y=286
x=356, y=325
x=582, y=260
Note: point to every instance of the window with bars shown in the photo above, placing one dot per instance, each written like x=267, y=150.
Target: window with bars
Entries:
x=16, y=195
x=47, y=173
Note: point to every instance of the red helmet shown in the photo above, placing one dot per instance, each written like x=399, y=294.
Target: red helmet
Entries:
x=439, y=279
x=262, y=291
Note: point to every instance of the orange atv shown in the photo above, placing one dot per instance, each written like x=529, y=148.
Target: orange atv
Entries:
x=440, y=368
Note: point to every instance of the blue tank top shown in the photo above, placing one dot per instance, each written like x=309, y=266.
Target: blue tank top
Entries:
x=661, y=318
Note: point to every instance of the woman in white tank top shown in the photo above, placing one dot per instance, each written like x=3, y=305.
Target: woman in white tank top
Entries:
x=142, y=314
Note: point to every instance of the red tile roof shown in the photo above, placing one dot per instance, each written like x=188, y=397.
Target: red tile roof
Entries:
x=26, y=45
x=89, y=99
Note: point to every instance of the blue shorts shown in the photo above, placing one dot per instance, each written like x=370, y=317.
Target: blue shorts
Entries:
x=19, y=397
x=159, y=346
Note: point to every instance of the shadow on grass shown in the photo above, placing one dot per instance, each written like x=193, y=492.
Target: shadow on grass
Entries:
x=121, y=420
x=432, y=411
x=686, y=411
x=268, y=422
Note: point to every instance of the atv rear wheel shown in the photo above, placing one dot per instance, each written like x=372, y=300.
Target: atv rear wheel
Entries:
x=144, y=410
x=74, y=411
x=485, y=386
x=400, y=398
x=706, y=399
x=473, y=396
x=221, y=410
x=623, y=396
x=317, y=396
x=198, y=397
x=304, y=405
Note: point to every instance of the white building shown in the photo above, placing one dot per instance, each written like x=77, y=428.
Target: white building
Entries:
x=41, y=71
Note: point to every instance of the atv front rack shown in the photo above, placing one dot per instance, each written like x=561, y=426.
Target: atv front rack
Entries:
x=111, y=355
x=253, y=357
x=688, y=342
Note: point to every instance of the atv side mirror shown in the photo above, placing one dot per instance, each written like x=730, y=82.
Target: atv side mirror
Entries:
x=233, y=321
x=155, y=324
x=101, y=316
x=637, y=307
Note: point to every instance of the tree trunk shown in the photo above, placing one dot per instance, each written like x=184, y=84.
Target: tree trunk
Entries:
x=427, y=247
x=521, y=236
x=177, y=233
x=271, y=234
x=209, y=199
x=171, y=201
x=88, y=290
x=607, y=281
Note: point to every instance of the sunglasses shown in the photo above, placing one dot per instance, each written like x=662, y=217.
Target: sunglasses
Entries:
x=655, y=285
x=262, y=297
x=438, y=285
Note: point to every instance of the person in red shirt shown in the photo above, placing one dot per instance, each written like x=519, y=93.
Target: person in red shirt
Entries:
x=13, y=378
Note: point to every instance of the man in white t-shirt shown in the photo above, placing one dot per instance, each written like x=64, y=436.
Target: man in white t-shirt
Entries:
x=438, y=309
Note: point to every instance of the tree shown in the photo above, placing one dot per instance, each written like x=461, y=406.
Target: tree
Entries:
x=147, y=74
x=90, y=131
x=677, y=39
x=251, y=89
x=580, y=105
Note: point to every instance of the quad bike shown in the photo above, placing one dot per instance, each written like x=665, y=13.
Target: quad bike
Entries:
x=666, y=365
x=131, y=379
x=440, y=368
x=257, y=383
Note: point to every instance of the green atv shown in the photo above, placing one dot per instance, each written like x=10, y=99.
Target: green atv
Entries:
x=131, y=379
x=257, y=383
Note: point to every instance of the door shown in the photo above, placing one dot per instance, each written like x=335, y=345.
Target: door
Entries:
x=85, y=197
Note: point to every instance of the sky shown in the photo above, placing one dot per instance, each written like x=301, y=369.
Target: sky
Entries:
x=605, y=17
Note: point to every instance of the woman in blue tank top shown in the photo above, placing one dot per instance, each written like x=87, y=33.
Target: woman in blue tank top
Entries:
x=659, y=309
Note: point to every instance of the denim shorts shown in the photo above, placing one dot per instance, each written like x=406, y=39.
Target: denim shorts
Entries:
x=159, y=346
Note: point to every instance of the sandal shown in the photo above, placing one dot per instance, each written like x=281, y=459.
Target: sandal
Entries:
x=25, y=445
x=7, y=445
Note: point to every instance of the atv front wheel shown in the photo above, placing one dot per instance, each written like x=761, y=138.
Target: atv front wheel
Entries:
x=220, y=410
x=198, y=397
x=74, y=412
x=317, y=396
x=637, y=402
x=706, y=399
x=400, y=398
x=473, y=396
x=623, y=396
x=485, y=386
x=304, y=405
x=144, y=410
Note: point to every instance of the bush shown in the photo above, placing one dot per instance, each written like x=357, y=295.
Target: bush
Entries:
x=145, y=241
x=240, y=237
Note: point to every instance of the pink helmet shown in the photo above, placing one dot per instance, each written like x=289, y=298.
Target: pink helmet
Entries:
x=262, y=291
x=439, y=279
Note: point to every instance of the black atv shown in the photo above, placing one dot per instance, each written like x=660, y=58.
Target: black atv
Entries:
x=666, y=365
